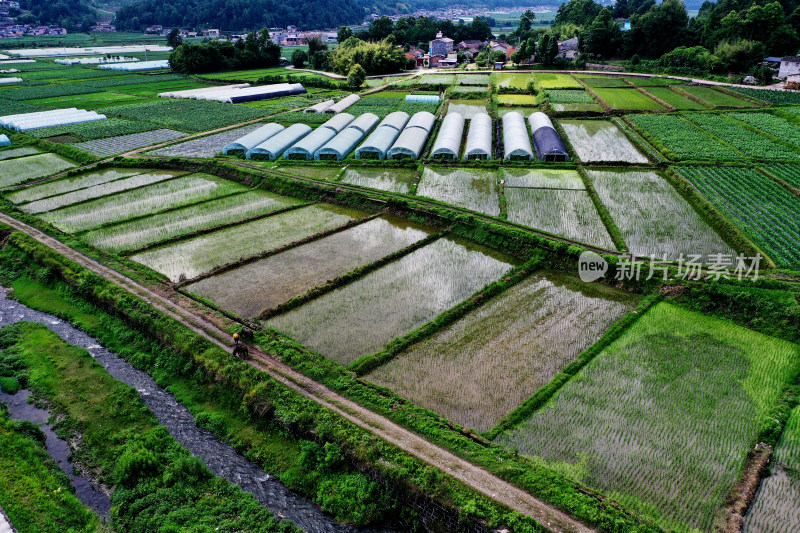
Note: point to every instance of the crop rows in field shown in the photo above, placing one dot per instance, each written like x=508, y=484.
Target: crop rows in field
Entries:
x=324, y=173
x=464, y=89
x=117, y=145
x=207, y=146
x=767, y=213
x=13, y=107
x=771, y=97
x=189, y=259
x=468, y=188
x=565, y=96
x=746, y=141
x=632, y=421
x=89, y=101
x=603, y=81
x=264, y=284
x=21, y=169
x=66, y=185
x=674, y=98
x=379, y=105
x=416, y=107
x=67, y=89
x=436, y=79
x=480, y=368
x=187, y=115
x=716, y=98
x=472, y=79
x=788, y=173
x=399, y=180
x=652, y=81
x=95, y=130
x=600, y=140
x=681, y=139
x=18, y=152
x=360, y=318
x=628, y=99
x=777, y=126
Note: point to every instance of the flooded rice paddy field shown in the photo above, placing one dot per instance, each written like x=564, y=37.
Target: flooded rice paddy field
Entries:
x=21, y=169
x=468, y=188
x=397, y=180
x=600, y=140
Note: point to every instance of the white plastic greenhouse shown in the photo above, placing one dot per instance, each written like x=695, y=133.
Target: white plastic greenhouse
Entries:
x=344, y=143
x=412, y=139
x=45, y=119
x=10, y=80
x=343, y=104
x=94, y=60
x=516, y=142
x=338, y=122
x=548, y=144
x=4, y=140
x=319, y=108
x=423, y=98
x=378, y=143
x=246, y=143
x=364, y=122
x=448, y=142
x=479, y=138
x=192, y=93
x=396, y=120
x=273, y=147
x=254, y=94
x=139, y=65
x=92, y=50
x=306, y=147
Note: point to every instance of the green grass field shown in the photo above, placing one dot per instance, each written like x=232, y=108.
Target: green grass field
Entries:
x=628, y=99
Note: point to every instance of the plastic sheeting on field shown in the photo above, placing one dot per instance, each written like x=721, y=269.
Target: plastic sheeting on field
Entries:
x=306, y=147
x=338, y=122
x=235, y=94
x=341, y=145
x=45, y=119
x=548, y=144
x=94, y=60
x=479, y=138
x=516, y=142
x=10, y=80
x=247, y=142
x=273, y=147
x=4, y=140
x=319, y=108
x=396, y=120
x=364, y=122
x=448, y=142
x=378, y=143
x=138, y=65
x=424, y=120
x=412, y=139
x=423, y=98
x=92, y=50
x=343, y=104
x=193, y=93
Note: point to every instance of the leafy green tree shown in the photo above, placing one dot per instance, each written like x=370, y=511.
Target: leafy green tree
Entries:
x=603, y=37
x=375, y=58
x=356, y=77
x=343, y=34
x=525, y=52
x=299, y=58
x=174, y=38
x=578, y=12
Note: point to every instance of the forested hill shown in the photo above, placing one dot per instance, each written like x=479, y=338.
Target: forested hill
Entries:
x=235, y=15
x=74, y=15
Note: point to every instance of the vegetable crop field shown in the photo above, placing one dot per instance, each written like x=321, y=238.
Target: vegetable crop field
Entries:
x=603, y=81
x=777, y=126
x=674, y=98
x=95, y=130
x=716, y=98
x=186, y=115
x=361, y=317
x=117, y=145
x=627, y=99
x=516, y=99
x=600, y=140
x=790, y=174
x=767, y=213
x=562, y=96
x=680, y=140
x=207, y=146
x=477, y=370
x=631, y=422
x=748, y=142
x=468, y=188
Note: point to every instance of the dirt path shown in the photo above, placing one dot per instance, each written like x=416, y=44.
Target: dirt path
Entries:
x=462, y=470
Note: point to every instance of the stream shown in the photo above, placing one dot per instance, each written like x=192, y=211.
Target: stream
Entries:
x=220, y=458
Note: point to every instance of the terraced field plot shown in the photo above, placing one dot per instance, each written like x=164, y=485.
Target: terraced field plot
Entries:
x=716, y=98
x=189, y=259
x=479, y=369
x=748, y=142
x=603, y=81
x=628, y=99
x=508, y=80
x=467, y=188
x=768, y=96
x=208, y=146
x=472, y=79
x=653, y=217
x=21, y=169
x=652, y=81
x=397, y=180
x=776, y=508
x=146, y=231
x=788, y=173
x=104, y=189
x=469, y=89
x=117, y=145
x=264, y=284
x=629, y=423
x=600, y=140
x=361, y=317
x=556, y=81
x=567, y=213
x=66, y=185
x=516, y=99
x=467, y=108
x=680, y=140
x=18, y=152
x=766, y=212
x=542, y=178
x=148, y=200
x=564, y=96
x=674, y=98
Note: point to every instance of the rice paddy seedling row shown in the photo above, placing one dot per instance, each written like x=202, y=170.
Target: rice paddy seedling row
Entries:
x=603, y=81
x=674, y=98
x=139, y=202
x=682, y=139
x=264, y=284
x=600, y=140
x=184, y=114
x=771, y=97
x=542, y=178
x=360, y=318
x=393, y=180
x=96, y=191
x=18, y=152
x=576, y=108
x=628, y=99
x=483, y=366
x=653, y=217
x=117, y=145
x=716, y=98
x=66, y=185
x=436, y=79
x=788, y=173
x=325, y=173
x=556, y=81
x=21, y=169
x=748, y=142
x=472, y=79
x=467, y=188
x=524, y=111
x=777, y=126
x=189, y=259
x=516, y=99
x=663, y=418
x=567, y=213
x=562, y=96
x=766, y=212
x=507, y=80
x=207, y=146
x=94, y=130
x=143, y=232
x=467, y=108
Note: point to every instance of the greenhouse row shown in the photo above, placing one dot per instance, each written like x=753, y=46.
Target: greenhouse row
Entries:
x=93, y=60
x=411, y=142
x=319, y=108
x=136, y=66
x=381, y=140
x=240, y=93
x=479, y=138
x=343, y=104
x=88, y=51
x=11, y=80
x=548, y=144
x=45, y=119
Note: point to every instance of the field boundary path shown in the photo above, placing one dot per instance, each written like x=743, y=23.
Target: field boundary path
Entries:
x=471, y=475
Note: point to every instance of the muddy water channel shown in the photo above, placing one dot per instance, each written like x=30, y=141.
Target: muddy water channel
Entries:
x=223, y=460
